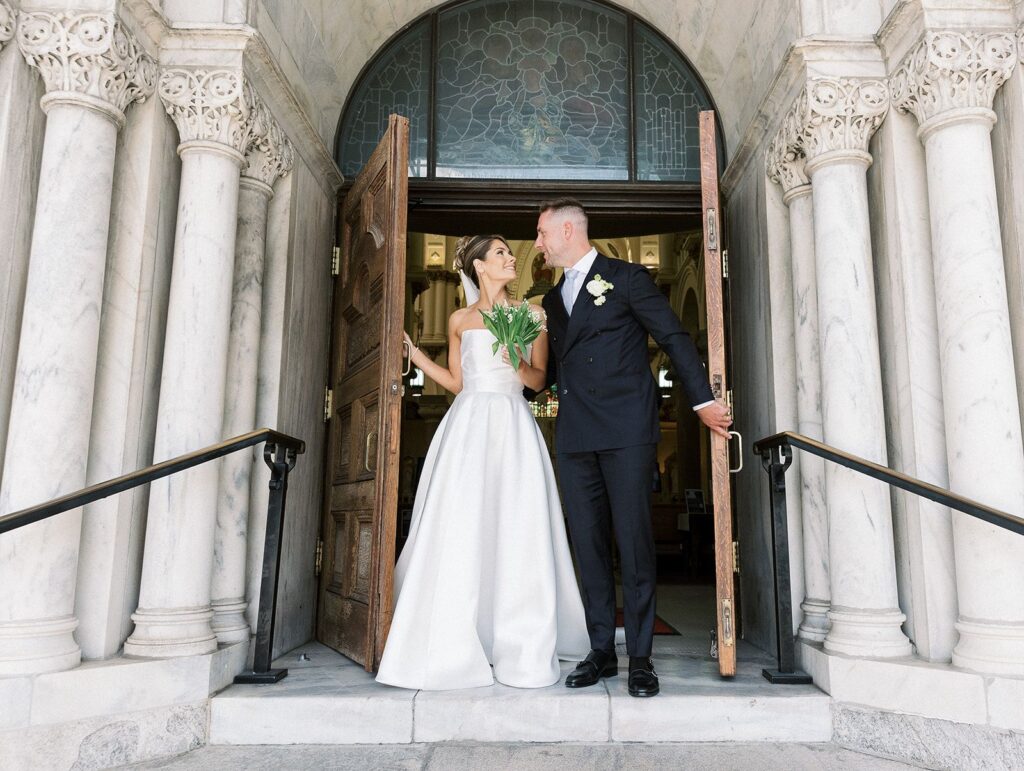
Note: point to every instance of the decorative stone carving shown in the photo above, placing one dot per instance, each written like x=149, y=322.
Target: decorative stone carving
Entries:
x=271, y=154
x=90, y=54
x=785, y=160
x=840, y=114
x=212, y=106
x=953, y=69
x=8, y=19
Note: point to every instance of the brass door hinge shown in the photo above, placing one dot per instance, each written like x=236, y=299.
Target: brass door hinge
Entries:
x=336, y=261
x=319, y=564
x=328, y=403
x=736, y=556
x=725, y=263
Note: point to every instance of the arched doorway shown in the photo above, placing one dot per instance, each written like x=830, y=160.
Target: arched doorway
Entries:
x=509, y=103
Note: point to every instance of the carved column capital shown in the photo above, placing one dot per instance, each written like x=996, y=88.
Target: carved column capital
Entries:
x=839, y=115
x=270, y=155
x=215, y=106
x=8, y=21
x=87, y=57
x=785, y=161
x=953, y=70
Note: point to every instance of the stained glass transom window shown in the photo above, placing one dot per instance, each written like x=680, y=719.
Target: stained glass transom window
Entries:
x=668, y=101
x=397, y=83
x=531, y=89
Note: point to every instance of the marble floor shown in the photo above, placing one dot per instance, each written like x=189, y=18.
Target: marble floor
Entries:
x=327, y=699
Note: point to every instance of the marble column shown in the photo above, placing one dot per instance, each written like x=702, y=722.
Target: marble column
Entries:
x=212, y=110
x=268, y=158
x=948, y=81
x=786, y=167
x=92, y=70
x=434, y=340
x=838, y=117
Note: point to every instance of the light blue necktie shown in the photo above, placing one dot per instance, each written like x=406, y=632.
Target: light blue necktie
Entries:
x=569, y=291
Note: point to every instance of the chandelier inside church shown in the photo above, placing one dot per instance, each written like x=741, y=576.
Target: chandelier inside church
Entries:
x=531, y=89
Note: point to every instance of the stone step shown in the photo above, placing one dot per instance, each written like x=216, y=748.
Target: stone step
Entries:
x=327, y=699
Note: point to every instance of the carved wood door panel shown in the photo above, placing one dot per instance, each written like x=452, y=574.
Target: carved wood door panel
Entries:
x=361, y=486
x=726, y=610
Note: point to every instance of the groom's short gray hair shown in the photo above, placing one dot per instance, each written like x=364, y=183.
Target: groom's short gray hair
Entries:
x=567, y=207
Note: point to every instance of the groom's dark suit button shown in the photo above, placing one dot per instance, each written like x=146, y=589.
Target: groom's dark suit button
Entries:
x=643, y=680
x=596, y=665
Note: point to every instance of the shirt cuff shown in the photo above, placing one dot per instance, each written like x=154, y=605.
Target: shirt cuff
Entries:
x=702, y=405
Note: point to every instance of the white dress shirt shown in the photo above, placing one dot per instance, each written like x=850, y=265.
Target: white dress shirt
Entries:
x=578, y=271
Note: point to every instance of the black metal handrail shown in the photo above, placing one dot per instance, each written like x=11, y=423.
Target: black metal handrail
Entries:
x=894, y=478
x=280, y=453
x=776, y=465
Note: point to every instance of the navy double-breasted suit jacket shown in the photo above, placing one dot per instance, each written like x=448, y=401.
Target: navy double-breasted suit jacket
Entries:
x=607, y=396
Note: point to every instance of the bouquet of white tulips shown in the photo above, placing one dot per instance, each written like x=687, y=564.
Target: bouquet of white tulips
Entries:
x=515, y=327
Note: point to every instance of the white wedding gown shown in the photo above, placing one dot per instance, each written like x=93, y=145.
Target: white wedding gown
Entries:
x=485, y=579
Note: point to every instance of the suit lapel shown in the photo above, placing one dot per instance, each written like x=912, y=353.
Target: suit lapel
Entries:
x=584, y=304
x=558, y=319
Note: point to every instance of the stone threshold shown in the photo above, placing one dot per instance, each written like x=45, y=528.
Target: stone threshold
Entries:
x=327, y=699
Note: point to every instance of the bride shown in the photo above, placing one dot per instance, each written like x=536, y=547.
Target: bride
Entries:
x=485, y=580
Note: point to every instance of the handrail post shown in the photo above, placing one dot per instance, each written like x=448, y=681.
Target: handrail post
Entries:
x=776, y=460
x=281, y=461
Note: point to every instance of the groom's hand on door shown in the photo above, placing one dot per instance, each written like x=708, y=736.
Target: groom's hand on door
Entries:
x=717, y=417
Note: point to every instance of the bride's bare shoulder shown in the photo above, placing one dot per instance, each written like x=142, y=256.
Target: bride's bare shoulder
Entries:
x=459, y=319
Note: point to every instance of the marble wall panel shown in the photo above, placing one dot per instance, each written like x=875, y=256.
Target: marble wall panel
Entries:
x=754, y=400
x=303, y=376
x=1008, y=155
x=21, y=142
x=280, y=217
x=195, y=10
x=908, y=337
x=782, y=373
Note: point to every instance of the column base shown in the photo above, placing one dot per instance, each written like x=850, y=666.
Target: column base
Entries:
x=229, y=622
x=815, y=624
x=867, y=633
x=161, y=633
x=38, y=646
x=992, y=647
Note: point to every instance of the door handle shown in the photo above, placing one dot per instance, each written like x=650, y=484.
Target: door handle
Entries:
x=366, y=453
x=739, y=437
x=407, y=352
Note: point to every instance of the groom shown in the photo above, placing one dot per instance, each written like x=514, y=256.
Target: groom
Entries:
x=599, y=317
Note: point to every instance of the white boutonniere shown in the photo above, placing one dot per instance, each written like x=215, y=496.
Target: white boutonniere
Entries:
x=597, y=287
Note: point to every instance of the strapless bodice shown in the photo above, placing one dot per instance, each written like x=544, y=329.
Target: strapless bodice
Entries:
x=484, y=370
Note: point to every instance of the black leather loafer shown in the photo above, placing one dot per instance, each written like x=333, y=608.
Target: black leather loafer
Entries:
x=643, y=680
x=596, y=665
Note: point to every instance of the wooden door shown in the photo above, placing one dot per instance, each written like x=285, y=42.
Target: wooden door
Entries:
x=721, y=494
x=361, y=485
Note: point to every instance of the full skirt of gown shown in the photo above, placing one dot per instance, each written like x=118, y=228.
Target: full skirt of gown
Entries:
x=485, y=579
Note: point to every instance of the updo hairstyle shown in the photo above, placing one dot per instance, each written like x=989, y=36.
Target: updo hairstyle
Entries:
x=469, y=249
